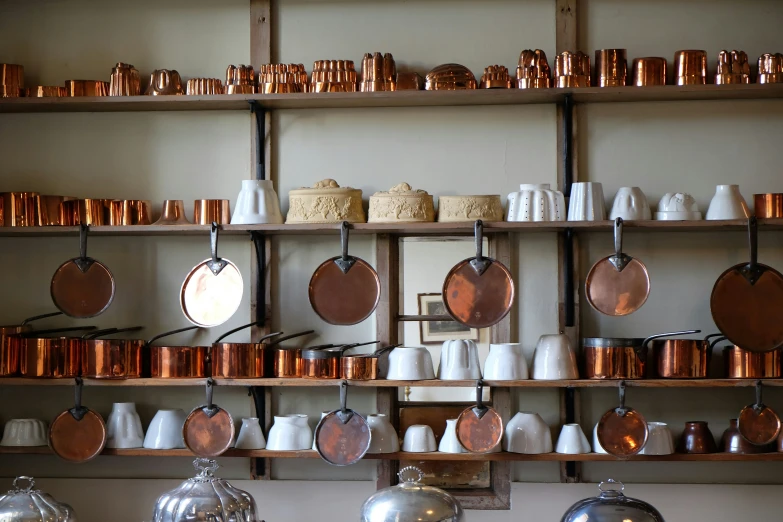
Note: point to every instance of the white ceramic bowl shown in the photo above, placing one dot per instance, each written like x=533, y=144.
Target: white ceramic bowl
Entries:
x=506, y=362
x=251, y=436
x=527, y=433
x=383, y=436
x=459, y=361
x=659, y=440
x=165, y=430
x=410, y=363
x=419, y=438
x=554, y=359
x=572, y=440
x=630, y=203
x=123, y=427
x=25, y=432
x=290, y=433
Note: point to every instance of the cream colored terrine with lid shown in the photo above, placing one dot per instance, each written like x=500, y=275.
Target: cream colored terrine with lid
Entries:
x=325, y=202
x=453, y=209
x=401, y=204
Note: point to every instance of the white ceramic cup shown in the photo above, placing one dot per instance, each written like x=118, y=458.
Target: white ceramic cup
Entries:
x=290, y=433
x=572, y=440
x=659, y=440
x=554, y=359
x=506, y=362
x=527, y=433
x=449, y=443
x=251, y=436
x=25, y=432
x=257, y=203
x=630, y=203
x=410, y=363
x=459, y=361
x=727, y=203
x=419, y=438
x=597, y=448
x=383, y=436
x=586, y=202
x=165, y=430
x=123, y=427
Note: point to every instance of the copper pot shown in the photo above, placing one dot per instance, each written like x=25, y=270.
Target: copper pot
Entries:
x=49, y=357
x=21, y=209
x=177, y=362
x=683, y=358
x=321, y=364
x=206, y=211
x=362, y=367
x=744, y=364
x=111, y=358
x=286, y=362
x=618, y=358
x=9, y=352
x=768, y=205
x=93, y=212
x=238, y=360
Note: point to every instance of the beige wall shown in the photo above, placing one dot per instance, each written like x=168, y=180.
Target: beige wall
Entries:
x=660, y=147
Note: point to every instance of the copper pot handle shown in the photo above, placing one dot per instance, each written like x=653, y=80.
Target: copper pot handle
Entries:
x=644, y=346
x=753, y=271
x=711, y=344
x=346, y=262
x=619, y=260
x=216, y=264
x=166, y=334
x=239, y=328
x=381, y=351
x=294, y=336
x=479, y=263
x=42, y=316
x=111, y=331
x=37, y=333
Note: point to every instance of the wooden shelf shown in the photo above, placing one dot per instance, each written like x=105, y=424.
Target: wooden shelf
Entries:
x=393, y=99
x=436, y=456
x=383, y=383
x=401, y=229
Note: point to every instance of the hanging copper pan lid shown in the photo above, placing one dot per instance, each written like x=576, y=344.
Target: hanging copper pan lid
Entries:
x=479, y=291
x=344, y=290
x=209, y=429
x=342, y=437
x=622, y=431
x=212, y=291
x=747, y=300
x=617, y=285
x=77, y=434
x=82, y=287
x=758, y=423
x=479, y=429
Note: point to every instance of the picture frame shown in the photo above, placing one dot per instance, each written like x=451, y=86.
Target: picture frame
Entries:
x=435, y=332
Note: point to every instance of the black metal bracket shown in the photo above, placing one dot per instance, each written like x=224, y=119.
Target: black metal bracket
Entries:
x=568, y=144
x=568, y=278
x=259, y=400
x=259, y=241
x=259, y=112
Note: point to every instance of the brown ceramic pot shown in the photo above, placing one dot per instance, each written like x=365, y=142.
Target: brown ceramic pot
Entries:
x=697, y=438
x=734, y=442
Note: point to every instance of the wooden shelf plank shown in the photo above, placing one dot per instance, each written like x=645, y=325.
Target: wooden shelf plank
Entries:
x=392, y=99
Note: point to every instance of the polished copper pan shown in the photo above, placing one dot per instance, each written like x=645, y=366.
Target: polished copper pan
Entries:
x=480, y=428
x=768, y=205
x=743, y=364
x=9, y=352
x=177, y=362
x=111, y=358
x=287, y=362
x=649, y=71
x=21, y=209
x=46, y=91
x=683, y=358
x=325, y=362
x=94, y=212
x=342, y=437
x=78, y=434
x=362, y=367
x=247, y=360
x=49, y=357
x=572, y=69
x=86, y=88
x=611, y=68
x=619, y=358
x=126, y=212
x=622, y=431
x=690, y=67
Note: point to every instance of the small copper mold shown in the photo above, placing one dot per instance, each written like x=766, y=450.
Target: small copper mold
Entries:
x=409, y=81
x=86, y=88
x=533, y=71
x=572, y=69
x=333, y=76
x=690, y=67
x=280, y=78
x=771, y=68
x=125, y=80
x=165, y=82
x=495, y=77
x=204, y=87
x=611, y=68
x=733, y=68
x=450, y=77
x=649, y=71
x=379, y=73
x=46, y=91
x=11, y=80
x=240, y=79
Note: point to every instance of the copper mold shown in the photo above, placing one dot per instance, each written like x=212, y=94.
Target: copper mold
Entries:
x=533, y=70
x=649, y=71
x=87, y=88
x=690, y=67
x=495, y=77
x=744, y=364
x=333, y=76
x=770, y=68
x=379, y=73
x=204, y=87
x=46, y=91
x=768, y=205
x=11, y=80
x=94, y=212
x=21, y=209
x=572, y=69
x=126, y=212
x=125, y=80
x=409, y=81
x=240, y=79
x=733, y=68
x=51, y=210
x=165, y=82
x=207, y=211
x=173, y=213
x=281, y=78
x=611, y=68
x=450, y=77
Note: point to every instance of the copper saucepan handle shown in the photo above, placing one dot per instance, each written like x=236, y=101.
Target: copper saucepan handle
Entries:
x=235, y=330
x=37, y=333
x=166, y=334
x=294, y=336
x=640, y=349
x=42, y=316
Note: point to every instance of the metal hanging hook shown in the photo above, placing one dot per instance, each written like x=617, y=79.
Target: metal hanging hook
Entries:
x=621, y=410
x=344, y=414
x=210, y=409
x=479, y=263
x=83, y=263
x=619, y=260
x=480, y=410
x=78, y=411
x=346, y=262
x=759, y=402
x=215, y=265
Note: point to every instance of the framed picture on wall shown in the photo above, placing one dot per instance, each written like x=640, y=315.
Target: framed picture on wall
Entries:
x=434, y=332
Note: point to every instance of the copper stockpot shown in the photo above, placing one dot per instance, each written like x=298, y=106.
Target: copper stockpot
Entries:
x=690, y=67
x=649, y=71
x=684, y=358
x=768, y=205
x=744, y=364
x=611, y=68
x=618, y=358
x=362, y=367
x=93, y=212
x=207, y=211
x=111, y=358
x=127, y=212
x=9, y=353
x=21, y=209
x=49, y=357
x=177, y=362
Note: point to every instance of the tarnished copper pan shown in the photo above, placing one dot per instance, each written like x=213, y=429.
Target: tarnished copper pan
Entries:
x=342, y=437
x=111, y=358
x=9, y=352
x=247, y=360
x=362, y=367
x=209, y=429
x=480, y=428
x=742, y=364
x=176, y=362
x=49, y=357
x=768, y=205
x=21, y=209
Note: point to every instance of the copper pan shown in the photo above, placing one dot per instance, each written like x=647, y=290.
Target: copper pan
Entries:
x=77, y=434
x=207, y=211
x=318, y=363
x=622, y=431
x=238, y=360
x=743, y=364
x=342, y=437
x=49, y=357
x=176, y=362
x=758, y=423
x=127, y=212
x=684, y=358
x=362, y=367
x=111, y=358
x=209, y=429
x=768, y=205
x=480, y=428
x=287, y=361
x=9, y=352
x=95, y=212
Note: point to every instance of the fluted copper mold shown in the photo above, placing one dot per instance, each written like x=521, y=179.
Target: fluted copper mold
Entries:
x=11, y=80
x=770, y=68
x=379, y=73
x=533, y=70
x=690, y=67
x=240, y=79
x=450, y=77
x=733, y=68
x=127, y=212
x=648, y=71
x=46, y=91
x=87, y=88
x=495, y=77
x=124, y=81
x=611, y=68
x=409, y=81
x=93, y=212
x=280, y=78
x=333, y=76
x=204, y=87
x=572, y=69
x=165, y=82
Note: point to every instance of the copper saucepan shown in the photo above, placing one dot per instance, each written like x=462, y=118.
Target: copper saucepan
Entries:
x=177, y=362
x=286, y=362
x=9, y=353
x=363, y=367
x=744, y=364
x=619, y=358
x=325, y=363
x=111, y=358
x=49, y=357
x=683, y=358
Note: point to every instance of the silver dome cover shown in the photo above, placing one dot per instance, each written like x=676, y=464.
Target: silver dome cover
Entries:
x=411, y=501
x=612, y=506
x=31, y=505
